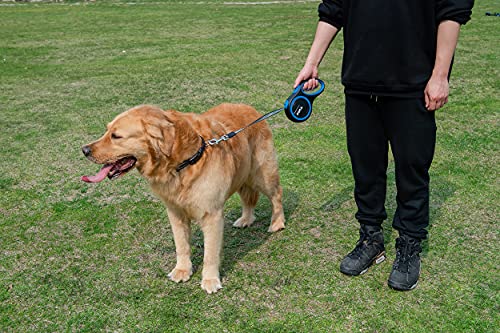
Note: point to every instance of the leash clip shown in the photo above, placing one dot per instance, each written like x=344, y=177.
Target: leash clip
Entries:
x=216, y=141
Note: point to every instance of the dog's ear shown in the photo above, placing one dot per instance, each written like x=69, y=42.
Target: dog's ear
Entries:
x=161, y=133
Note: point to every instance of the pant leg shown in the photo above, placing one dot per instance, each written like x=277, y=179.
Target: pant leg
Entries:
x=367, y=145
x=411, y=130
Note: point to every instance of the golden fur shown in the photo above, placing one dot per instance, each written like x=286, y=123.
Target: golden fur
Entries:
x=160, y=140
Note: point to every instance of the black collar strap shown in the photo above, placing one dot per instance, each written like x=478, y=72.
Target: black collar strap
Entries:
x=193, y=159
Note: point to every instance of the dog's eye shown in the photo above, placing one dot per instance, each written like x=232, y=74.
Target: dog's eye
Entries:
x=115, y=136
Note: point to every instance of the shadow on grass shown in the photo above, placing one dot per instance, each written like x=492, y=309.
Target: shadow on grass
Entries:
x=440, y=191
x=337, y=200
x=238, y=242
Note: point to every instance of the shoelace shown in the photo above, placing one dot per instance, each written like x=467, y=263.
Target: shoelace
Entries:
x=362, y=242
x=405, y=251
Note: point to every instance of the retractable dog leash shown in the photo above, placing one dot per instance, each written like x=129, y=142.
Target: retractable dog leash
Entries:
x=297, y=107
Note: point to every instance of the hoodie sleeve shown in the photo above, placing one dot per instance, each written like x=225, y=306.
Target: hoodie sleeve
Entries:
x=454, y=10
x=331, y=12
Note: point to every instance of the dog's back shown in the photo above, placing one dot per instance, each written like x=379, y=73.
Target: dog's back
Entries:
x=231, y=117
x=249, y=152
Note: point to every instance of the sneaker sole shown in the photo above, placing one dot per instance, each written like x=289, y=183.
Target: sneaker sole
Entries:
x=402, y=288
x=399, y=287
x=378, y=259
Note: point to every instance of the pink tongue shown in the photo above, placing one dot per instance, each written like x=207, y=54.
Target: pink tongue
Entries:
x=99, y=176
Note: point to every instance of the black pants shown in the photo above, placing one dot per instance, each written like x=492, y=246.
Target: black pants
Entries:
x=372, y=124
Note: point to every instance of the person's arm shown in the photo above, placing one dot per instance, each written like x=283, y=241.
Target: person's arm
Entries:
x=325, y=33
x=437, y=89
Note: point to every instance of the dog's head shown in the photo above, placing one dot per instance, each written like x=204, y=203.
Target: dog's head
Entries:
x=133, y=139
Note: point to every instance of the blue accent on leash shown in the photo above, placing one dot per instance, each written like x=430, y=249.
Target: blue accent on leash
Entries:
x=298, y=107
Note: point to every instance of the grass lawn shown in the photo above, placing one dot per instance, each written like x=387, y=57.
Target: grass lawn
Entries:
x=87, y=258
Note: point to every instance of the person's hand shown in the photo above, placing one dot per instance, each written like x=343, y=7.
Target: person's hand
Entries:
x=309, y=73
x=436, y=92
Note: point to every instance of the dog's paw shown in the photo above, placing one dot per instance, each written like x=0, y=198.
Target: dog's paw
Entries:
x=243, y=222
x=178, y=275
x=277, y=225
x=211, y=285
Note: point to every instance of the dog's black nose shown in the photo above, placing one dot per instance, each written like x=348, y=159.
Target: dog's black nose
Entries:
x=86, y=150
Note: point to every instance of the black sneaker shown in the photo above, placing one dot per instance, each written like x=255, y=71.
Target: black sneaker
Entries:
x=406, y=267
x=369, y=249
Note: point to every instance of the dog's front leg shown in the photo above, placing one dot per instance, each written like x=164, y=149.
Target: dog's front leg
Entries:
x=212, y=226
x=181, y=228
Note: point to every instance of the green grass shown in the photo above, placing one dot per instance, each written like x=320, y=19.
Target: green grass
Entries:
x=86, y=258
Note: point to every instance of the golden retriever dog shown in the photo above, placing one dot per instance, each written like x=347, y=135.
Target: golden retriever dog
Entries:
x=192, y=178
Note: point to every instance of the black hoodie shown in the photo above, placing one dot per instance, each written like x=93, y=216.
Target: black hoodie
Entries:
x=390, y=45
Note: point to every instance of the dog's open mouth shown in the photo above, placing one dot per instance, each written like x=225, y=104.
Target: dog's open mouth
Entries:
x=112, y=170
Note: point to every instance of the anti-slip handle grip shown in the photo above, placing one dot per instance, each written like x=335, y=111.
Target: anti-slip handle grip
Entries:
x=298, y=107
